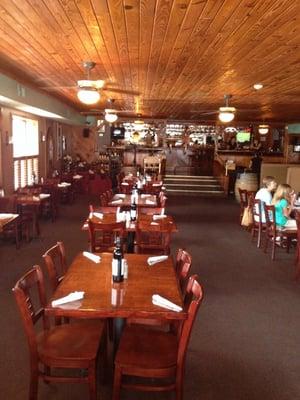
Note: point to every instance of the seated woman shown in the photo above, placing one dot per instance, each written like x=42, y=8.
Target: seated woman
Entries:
x=283, y=201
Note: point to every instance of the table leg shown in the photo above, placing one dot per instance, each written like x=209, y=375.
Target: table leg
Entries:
x=119, y=324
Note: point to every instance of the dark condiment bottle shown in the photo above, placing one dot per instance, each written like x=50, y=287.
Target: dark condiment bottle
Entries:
x=117, y=265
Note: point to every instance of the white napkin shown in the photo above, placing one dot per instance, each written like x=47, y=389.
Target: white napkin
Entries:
x=165, y=303
x=91, y=172
x=44, y=195
x=121, y=216
x=157, y=184
x=77, y=176
x=158, y=216
x=36, y=198
x=64, y=184
x=71, y=297
x=92, y=257
x=144, y=196
x=154, y=223
x=149, y=201
x=125, y=183
x=156, y=259
x=121, y=196
x=116, y=201
x=98, y=215
x=6, y=215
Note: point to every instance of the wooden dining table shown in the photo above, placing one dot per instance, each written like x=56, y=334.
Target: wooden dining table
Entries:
x=111, y=218
x=124, y=200
x=33, y=202
x=130, y=298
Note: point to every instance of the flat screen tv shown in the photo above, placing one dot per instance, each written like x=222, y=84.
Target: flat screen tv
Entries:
x=117, y=132
x=243, y=136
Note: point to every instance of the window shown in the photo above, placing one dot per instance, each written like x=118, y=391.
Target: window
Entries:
x=25, y=150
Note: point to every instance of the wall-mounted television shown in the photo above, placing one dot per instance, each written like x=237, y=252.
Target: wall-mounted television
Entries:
x=243, y=136
x=117, y=132
x=297, y=148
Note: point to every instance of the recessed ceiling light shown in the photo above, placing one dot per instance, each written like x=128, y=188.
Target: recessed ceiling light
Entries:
x=258, y=86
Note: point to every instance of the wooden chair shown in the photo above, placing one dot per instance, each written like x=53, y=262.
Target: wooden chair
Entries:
x=157, y=355
x=183, y=266
x=51, y=206
x=297, y=276
x=19, y=226
x=102, y=236
x=258, y=227
x=103, y=200
x=126, y=187
x=55, y=260
x=69, y=346
x=152, y=239
x=274, y=234
x=104, y=210
x=150, y=210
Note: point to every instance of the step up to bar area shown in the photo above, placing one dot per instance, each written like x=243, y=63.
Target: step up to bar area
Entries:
x=192, y=185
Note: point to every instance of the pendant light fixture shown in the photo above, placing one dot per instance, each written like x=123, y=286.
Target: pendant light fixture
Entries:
x=226, y=114
x=263, y=129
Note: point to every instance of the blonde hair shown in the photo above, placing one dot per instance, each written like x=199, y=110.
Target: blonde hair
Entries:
x=283, y=191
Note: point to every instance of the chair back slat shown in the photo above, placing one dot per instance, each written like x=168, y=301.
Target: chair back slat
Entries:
x=55, y=260
x=192, y=301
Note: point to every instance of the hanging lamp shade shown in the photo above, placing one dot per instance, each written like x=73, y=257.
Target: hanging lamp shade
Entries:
x=263, y=129
x=110, y=117
x=88, y=95
x=226, y=114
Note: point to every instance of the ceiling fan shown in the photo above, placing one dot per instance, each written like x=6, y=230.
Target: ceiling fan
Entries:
x=226, y=113
x=88, y=90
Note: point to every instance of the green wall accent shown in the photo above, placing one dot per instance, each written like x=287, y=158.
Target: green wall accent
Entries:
x=26, y=96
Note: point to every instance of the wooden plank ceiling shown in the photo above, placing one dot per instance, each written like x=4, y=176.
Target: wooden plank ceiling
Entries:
x=173, y=58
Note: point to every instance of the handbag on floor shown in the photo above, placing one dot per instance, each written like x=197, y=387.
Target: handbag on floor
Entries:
x=247, y=219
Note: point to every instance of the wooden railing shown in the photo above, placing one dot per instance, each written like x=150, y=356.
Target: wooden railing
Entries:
x=219, y=171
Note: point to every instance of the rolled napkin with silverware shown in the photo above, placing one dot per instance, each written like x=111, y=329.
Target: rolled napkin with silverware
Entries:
x=92, y=257
x=165, y=303
x=144, y=196
x=67, y=299
x=156, y=259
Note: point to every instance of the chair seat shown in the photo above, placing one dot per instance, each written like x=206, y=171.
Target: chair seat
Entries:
x=73, y=343
x=147, y=348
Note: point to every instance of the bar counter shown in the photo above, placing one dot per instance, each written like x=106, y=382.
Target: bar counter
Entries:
x=243, y=157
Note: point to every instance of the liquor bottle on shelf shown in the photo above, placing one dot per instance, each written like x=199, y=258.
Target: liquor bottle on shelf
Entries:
x=117, y=264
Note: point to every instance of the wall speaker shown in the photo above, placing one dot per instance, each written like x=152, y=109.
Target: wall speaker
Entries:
x=86, y=132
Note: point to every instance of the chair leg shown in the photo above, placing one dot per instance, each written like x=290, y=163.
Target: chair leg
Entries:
x=92, y=381
x=259, y=237
x=273, y=248
x=117, y=383
x=179, y=388
x=33, y=386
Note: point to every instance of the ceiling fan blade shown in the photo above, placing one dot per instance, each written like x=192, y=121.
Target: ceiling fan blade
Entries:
x=116, y=90
x=58, y=87
x=206, y=112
